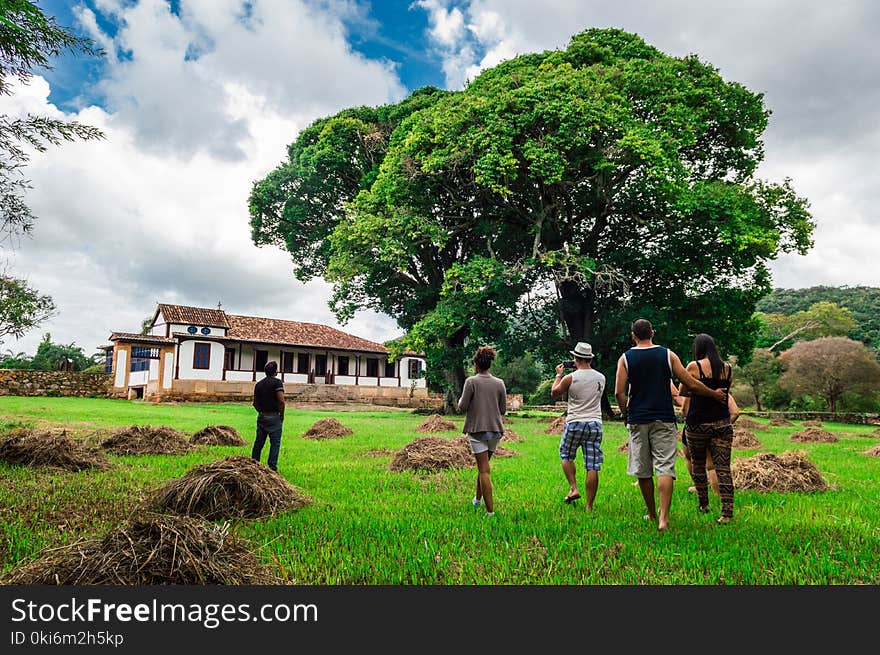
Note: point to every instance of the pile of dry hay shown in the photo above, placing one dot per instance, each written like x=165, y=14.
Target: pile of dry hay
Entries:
x=150, y=550
x=510, y=435
x=436, y=423
x=750, y=424
x=327, y=428
x=813, y=435
x=811, y=423
x=873, y=452
x=438, y=453
x=790, y=471
x=235, y=487
x=781, y=422
x=744, y=439
x=218, y=435
x=556, y=426
x=431, y=454
x=147, y=440
x=50, y=449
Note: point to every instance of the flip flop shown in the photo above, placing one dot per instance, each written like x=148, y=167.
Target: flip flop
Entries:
x=570, y=498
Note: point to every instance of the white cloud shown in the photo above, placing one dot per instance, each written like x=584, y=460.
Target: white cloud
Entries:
x=158, y=210
x=168, y=75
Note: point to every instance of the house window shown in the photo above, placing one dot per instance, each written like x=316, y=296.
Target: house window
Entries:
x=302, y=363
x=202, y=355
x=372, y=367
x=415, y=369
x=389, y=370
x=229, y=359
x=287, y=362
x=141, y=356
x=342, y=365
x=261, y=357
x=108, y=361
x=320, y=364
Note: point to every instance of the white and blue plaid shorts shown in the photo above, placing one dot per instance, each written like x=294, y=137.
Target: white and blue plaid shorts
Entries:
x=588, y=436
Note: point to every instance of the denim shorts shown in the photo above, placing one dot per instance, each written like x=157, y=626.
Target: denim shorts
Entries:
x=480, y=442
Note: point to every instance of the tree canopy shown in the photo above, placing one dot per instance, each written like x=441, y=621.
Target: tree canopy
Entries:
x=21, y=307
x=863, y=303
x=574, y=190
x=822, y=319
x=830, y=367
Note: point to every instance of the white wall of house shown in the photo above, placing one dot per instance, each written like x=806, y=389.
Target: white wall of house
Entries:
x=168, y=373
x=184, y=329
x=297, y=378
x=121, y=367
x=137, y=378
x=154, y=369
x=185, y=362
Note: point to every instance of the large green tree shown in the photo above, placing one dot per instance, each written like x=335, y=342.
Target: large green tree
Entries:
x=607, y=180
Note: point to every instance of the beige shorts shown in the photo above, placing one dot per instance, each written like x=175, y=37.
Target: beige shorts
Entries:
x=652, y=449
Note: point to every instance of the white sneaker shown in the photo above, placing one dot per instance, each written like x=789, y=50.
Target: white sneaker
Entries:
x=489, y=514
x=477, y=503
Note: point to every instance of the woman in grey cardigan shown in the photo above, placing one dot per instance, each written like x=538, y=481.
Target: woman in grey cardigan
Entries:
x=484, y=398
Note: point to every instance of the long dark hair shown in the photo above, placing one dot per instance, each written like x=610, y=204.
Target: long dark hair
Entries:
x=704, y=347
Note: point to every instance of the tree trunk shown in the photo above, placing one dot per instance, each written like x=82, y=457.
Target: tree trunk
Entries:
x=756, y=394
x=455, y=376
x=578, y=310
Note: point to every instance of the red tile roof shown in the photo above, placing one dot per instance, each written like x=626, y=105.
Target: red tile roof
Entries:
x=194, y=315
x=142, y=338
x=256, y=329
x=294, y=333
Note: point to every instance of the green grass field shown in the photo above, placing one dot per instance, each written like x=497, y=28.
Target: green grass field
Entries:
x=371, y=526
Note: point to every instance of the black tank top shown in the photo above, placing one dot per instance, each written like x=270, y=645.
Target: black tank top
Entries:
x=709, y=410
x=649, y=374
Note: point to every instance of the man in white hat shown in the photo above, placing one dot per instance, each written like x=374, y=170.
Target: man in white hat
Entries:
x=583, y=422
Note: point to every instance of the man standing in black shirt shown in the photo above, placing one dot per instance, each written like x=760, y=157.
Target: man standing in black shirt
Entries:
x=269, y=403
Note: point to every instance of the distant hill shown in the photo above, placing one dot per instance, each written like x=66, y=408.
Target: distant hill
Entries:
x=863, y=302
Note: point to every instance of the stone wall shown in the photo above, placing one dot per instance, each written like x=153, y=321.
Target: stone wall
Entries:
x=222, y=391
x=15, y=382
x=838, y=417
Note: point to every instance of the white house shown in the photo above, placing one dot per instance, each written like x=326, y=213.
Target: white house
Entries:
x=201, y=353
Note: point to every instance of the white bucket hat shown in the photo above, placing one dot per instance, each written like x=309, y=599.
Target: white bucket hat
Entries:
x=583, y=350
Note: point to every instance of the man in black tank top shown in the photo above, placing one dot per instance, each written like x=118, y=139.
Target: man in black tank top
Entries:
x=643, y=392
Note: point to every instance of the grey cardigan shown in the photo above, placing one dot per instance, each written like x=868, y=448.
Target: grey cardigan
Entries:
x=484, y=398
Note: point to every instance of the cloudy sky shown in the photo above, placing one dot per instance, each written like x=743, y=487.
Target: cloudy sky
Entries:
x=199, y=98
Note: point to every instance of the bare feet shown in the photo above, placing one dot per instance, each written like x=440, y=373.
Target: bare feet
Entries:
x=663, y=526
